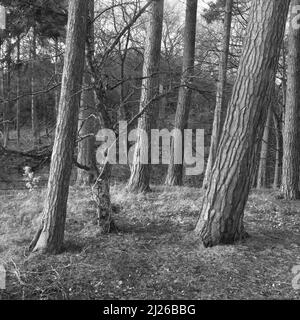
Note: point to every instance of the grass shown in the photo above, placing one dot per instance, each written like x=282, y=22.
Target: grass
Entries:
x=155, y=255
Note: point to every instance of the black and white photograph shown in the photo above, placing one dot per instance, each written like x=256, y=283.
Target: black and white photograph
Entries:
x=149, y=152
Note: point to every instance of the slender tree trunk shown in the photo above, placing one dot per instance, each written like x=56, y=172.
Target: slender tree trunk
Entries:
x=175, y=171
x=101, y=195
x=220, y=98
x=4, y=114
x=122, y=112
x=101, y=186
x=262, y=169
x=86, y=123
x=102, y=175
x=50, y=237
x=18, y=91
x=284, y=84
x=291, y=134
x=8, y=96
x=222, y=211
x=277, y=154
x=163, y=105
x=34, y=116
x=56, y=72
x=122, y=108
x=86, y=129
x=140, y=172
x=46, y=111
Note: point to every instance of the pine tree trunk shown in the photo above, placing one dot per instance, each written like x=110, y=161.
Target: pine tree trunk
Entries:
x=18, y=92
x=56, y=73
x=86, y=123
x=277, y=154
x=4, y=106
x=262, y=169
x=7, y=104
x=175, y=171
x=140, y=173
x=220, y=96
x=222, y=211
x=291, y=134
x=49, y=238
x=283, y=84
x=34, y=116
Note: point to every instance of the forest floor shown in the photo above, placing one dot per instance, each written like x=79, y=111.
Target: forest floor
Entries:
x=155, y=254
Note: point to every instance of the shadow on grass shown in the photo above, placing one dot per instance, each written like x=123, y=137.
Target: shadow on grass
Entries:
x=154, y=227
x=270, y=239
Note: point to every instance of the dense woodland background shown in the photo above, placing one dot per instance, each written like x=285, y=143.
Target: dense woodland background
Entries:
x=73, y=228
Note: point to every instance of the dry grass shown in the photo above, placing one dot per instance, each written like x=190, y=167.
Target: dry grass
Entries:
x=155, y=255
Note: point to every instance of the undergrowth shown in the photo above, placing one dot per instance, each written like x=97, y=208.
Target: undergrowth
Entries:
x=155, y=254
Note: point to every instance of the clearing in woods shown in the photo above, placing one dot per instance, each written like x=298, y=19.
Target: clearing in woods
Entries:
x=154, y=255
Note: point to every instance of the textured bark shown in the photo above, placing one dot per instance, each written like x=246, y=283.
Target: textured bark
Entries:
x=262, y=169
x=277, y=154
x=49, y=238
x=101, y=196
x=56, y=74
x=222, y=211
x=18, y=92
x=283, y=85
x=101, y=186
x=140, y=173
x=175, y=171
x=86, y=123
x=4, y=114
x=7, y=104
x=291, y=134
x=33, y=85
x=220, y=95
x=86, y=126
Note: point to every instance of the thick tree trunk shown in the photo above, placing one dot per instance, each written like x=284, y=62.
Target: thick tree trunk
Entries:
x=18, y=92
x=86, y=123
x=50, y=237
x=220, y=97
x=175, y=171
x=140, y=172
x=33, y=84
x=291, y=134
x=262, y=168
x=222, y=211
